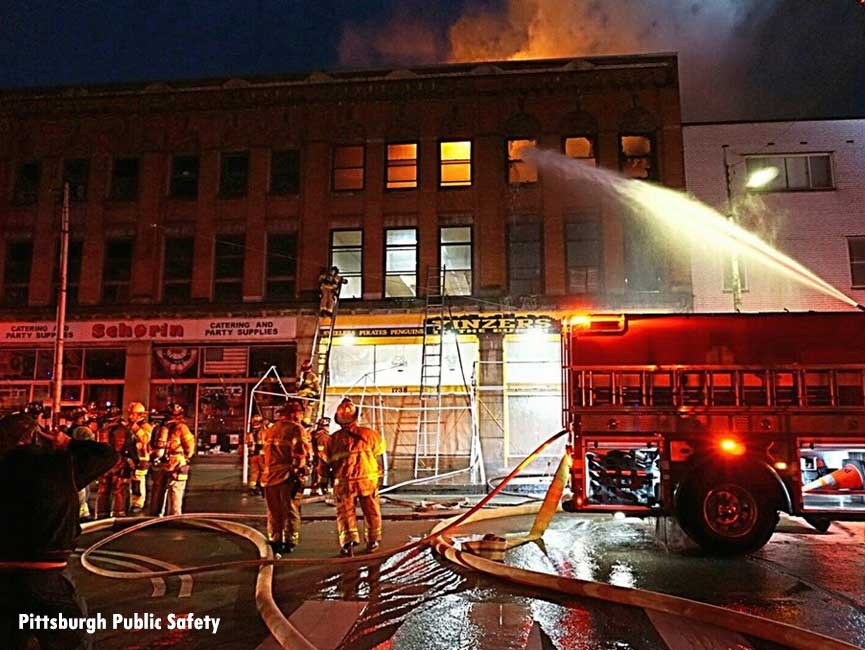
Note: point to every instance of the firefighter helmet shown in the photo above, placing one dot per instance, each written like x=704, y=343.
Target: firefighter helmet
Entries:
x=14, y=429
x=306, y=365
x=324, y=421
x=78, y=414
x=256, y=422
x=176, y=410
x=137, y=411
x=346, y=412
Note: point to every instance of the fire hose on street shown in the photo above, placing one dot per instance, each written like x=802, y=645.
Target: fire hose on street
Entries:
x=441, y=542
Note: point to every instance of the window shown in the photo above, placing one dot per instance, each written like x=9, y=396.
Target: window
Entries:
x=104, y=364
x=76, y=172
x=520, y=171
x=348, y=168
x=73, y=272
x=285, y=172
x=27, y=183
x=177, y=270
x=645, y=257
x=228, y=268
x=117, y=271
x=456, y=260
x=234, y=175
x=637, y=157
x=400, y=265
x=346, y=253
x=16, y=277
x=124, y=179
x=184, y=177
x=581, y=148
x=728, y=273
x=455, y=163
x=401, y=166
x=281, y=265
x=524, y=259
x=583, y=253
x=796, y=172
x=856, y=247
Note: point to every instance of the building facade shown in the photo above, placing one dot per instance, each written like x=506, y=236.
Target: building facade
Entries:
x=813, y=209
x=203, y=214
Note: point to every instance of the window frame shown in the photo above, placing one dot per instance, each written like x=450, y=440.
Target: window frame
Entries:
x=220, y=282
x=511, y=163
x=174, y=179
x=598, y=222
x=386, y=274
x=117, y=283
x=539, y=225
x=593, y=140
x=23, y=285
x=178, y=281
x=292, y=190
x=471, y=246
x=349, y=274
x=769, y=189
x=20, y=197
x=334, y=168
x=121, y=197
x=654, y=171
x=283, y=278
x=856, y=262
x=471, y=161
x=387, y=165
x=227, y=190
x=78, y=187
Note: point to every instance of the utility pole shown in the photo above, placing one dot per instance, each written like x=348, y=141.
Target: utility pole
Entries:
x=735, y=272
x=60, y=339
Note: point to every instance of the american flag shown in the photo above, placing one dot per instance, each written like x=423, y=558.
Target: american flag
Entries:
x=225, y=361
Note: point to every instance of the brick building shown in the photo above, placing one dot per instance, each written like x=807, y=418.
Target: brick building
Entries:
x=813, y=210
x=203, y=213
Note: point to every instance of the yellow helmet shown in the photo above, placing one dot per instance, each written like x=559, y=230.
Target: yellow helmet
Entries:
x=137, y=408
x=346, y=412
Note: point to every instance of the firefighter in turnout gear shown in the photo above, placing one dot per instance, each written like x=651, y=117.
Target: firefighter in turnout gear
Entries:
x=81, y=430
x=142, y=432
x=309, y=390
x=113, y=490
x=173, y=448
x=354, y=453
x=254, y=449
x=329, y=283
x=286, y=452
x=321, y=475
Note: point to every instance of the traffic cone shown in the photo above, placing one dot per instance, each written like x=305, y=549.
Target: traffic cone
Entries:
x=848, y=477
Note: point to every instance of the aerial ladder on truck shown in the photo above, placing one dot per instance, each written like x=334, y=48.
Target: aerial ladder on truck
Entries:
x=319, y=360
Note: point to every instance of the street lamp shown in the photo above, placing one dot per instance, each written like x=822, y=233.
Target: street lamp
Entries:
x=757, y=179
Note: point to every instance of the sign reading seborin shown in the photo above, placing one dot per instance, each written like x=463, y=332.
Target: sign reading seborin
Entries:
x=118, y=330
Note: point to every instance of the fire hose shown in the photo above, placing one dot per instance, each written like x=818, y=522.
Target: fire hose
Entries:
x=289, y=637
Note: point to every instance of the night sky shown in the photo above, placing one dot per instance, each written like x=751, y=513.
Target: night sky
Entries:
x=772, y=58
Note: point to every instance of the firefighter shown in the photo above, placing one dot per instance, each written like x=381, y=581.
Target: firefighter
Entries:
x=329, y=283
x=142, y=432
x=286, y=452
x=81, y=430
x=321, y=475
x=354, y=453
x=257, y=426
x=308, y=389
x=173, y=448
x=113, y=487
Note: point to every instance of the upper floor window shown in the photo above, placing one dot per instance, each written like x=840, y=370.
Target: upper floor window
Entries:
x=346, y=253
x=856, y=247
x=76, y=172
x=456, y=260
x=27, y=180
x=581, y=147
x=285, y=172
x=234, y=175
x=281, y=265
x=117, y=271
x=73, y=272
x=16, y=274
x=184, y=177
x=637, y=157
x=455, y=163
x=401, y=166
x=793, y=172
x=177, y=270
x=348, y=168
x=741, y=268
x=400, y=265
x=228, y=268
x=525, y=252
x=583, y=255
x=519, y=170
x=124, y=179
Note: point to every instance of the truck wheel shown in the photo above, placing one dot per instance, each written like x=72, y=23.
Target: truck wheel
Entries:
x=820, y=524
x=726, y=513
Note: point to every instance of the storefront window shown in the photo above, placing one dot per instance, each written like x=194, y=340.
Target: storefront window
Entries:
x=221, y=415
x=104, y=364
x=283, y=357
x=175, y=362
x=17, y=364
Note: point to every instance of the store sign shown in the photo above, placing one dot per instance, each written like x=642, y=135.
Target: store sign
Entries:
x=494, y=323
x=121, y=330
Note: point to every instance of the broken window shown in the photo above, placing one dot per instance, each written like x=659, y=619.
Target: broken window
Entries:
x=519, y=170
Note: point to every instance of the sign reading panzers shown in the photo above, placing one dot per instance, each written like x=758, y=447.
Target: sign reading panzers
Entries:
x=494, y=323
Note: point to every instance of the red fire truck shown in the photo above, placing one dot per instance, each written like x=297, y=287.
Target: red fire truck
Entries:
x=721, y=420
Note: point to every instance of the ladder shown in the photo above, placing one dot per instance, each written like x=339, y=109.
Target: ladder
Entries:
x=429, y=425
x=319, y=356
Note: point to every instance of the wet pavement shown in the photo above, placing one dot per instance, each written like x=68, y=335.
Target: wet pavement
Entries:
x=414, y=600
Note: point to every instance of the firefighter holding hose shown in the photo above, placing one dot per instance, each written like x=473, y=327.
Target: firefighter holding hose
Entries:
x=354, y=457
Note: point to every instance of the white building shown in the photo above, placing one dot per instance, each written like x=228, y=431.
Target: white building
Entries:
x=813, y=210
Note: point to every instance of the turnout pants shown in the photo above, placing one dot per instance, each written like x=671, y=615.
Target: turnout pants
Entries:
x=111, y=496
x=254, y=476
x=166, y=493
x=346, y=516
x=283, y=511
x=139, y=489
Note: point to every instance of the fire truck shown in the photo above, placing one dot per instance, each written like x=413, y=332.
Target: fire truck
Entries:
x=719, y=420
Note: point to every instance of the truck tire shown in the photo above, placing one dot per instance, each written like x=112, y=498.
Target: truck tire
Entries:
x=818, y=523
x=727, y=512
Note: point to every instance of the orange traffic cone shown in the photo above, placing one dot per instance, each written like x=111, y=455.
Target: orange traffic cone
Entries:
x=848, y=477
